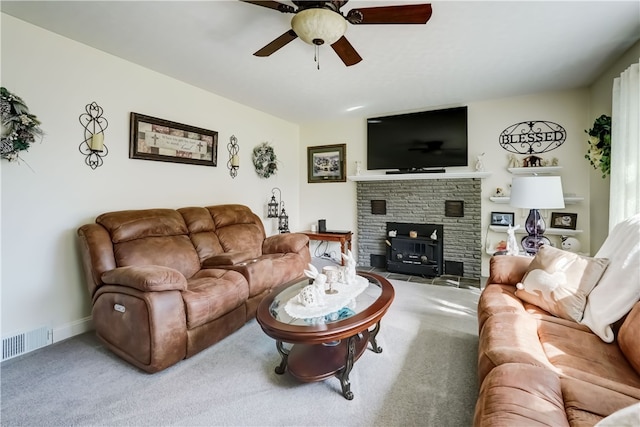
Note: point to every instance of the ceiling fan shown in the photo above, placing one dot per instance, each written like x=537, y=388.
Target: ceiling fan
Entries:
x=321, y=22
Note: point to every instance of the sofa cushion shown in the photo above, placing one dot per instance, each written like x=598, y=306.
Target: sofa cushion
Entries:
x=629, y=337
x=211, y=294
x=517, y=394
x=619, y=287
x=559, y=281
x=146, y=278
x=202, y=231
x=583, y=355
x=129, y=225
x=510, y=338
x=238, y=229
x=175, y=252
x=587, y=404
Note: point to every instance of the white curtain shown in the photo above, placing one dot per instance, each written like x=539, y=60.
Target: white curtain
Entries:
x=625, y=146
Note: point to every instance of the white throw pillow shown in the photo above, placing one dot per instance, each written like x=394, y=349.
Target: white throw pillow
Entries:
x=625, y=417
x=559, y=281
x=619, y=288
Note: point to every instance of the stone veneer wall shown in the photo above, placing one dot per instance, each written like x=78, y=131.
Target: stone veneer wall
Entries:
x=423, y=201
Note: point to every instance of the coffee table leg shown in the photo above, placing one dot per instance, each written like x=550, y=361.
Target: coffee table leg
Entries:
x=372, y=338
x=280, y=369
x=344, y=375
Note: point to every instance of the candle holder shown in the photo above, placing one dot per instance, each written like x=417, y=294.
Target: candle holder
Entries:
x=234, y=160
x=93, y=147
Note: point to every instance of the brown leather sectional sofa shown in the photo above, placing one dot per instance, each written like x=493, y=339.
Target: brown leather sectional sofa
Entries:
x=166, y=284
x=536, y=369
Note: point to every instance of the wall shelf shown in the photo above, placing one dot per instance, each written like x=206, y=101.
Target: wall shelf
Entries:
x=543, y=170
x=567, y=200
x=549, y=231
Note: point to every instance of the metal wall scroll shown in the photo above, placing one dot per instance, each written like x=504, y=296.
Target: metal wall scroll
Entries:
x=93, y=146
x=234, y=160
x=532, y=137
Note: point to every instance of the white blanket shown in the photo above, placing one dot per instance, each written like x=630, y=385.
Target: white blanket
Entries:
x=619, y=288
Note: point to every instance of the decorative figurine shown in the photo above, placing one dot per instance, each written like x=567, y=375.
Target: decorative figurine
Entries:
x=512, y=243
x=513, y=161
x=479, y=163
x=358, y=167
x=434, y=235
x=350, y=270
x=570, y=244
x=532, y=161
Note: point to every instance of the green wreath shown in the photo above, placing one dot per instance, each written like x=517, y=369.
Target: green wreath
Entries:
x=19, y=127
x=599, y=152
x=265, y=160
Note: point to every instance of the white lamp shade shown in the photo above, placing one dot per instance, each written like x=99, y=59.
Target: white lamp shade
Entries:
x=321, y=24
x=537, y=192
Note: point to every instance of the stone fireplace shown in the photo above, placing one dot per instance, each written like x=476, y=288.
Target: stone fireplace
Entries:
x=452, y=202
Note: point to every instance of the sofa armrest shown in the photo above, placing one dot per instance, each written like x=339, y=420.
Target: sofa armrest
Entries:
x=285, y=243
x=507, y=269
x=226, y=259
x=146, y=278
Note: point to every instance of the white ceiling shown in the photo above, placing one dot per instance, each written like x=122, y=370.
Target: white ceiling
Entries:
x=468, y=51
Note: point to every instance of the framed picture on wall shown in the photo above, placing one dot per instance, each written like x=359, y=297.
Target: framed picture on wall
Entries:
x=564, y=220
x=502, y=218
x=165, y=141
x=326, y=163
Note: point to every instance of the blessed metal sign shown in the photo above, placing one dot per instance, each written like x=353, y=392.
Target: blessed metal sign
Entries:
x=532, y=137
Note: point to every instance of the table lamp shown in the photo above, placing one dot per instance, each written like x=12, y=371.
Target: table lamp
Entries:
x=533, y=193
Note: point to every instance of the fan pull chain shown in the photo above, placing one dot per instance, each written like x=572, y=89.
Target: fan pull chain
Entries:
x=316, y=55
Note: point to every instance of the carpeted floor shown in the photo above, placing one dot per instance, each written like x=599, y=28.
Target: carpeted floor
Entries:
x=426, y=376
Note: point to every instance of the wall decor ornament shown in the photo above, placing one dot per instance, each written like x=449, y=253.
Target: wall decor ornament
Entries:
x=326, y=163
x=93, y=147
x=265, y=160
x=166, y=141
x=19, y=127
x=599, y=152
x=234, y=160
x=533, y=137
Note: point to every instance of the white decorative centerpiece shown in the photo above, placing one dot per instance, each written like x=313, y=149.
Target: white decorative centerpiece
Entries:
x=313, y=301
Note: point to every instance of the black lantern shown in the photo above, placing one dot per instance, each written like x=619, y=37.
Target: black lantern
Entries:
x=283, y=221
x=272, y=208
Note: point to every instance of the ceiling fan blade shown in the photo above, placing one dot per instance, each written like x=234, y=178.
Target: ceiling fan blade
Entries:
x=277, y=43
x=281, y=7
x=346, y=52
x=406, y=14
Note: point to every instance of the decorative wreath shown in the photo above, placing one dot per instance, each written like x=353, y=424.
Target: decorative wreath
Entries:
x=19, y=127
x=265, y=160
x=599, y=152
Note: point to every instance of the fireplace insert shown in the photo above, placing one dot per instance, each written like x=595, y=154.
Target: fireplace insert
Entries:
x=415, y=249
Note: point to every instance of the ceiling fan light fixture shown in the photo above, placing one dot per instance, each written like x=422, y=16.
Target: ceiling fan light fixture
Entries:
x=317, y=26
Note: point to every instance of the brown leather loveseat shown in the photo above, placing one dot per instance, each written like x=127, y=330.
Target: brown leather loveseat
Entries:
x=538, y=368
x=166, y=284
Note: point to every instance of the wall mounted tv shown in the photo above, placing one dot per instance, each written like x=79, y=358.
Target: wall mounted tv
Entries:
x=416, y=142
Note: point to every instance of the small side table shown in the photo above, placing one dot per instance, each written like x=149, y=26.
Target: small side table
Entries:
x=343, y=238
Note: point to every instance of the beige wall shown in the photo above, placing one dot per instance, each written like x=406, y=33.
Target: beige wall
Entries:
x=487, y=119
x=600, y=97
x=52, y=192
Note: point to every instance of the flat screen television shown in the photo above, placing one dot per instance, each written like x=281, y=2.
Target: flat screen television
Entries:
x=419, y=141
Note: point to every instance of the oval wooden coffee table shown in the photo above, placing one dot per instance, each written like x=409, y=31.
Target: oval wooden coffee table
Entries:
x=324, y=347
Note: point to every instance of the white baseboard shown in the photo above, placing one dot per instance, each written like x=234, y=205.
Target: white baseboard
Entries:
x=72, y=329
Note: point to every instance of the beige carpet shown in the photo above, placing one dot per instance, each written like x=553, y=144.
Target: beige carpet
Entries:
x=425, y=376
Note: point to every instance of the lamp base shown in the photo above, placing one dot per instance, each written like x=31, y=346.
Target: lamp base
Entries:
x=532, y=243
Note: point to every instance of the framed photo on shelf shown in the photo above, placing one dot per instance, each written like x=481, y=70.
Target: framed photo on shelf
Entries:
x=326, y=163
x=502, y=218
x=563, y=220
x=165, y=141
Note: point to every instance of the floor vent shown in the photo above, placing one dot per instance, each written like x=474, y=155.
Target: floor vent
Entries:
x=25, y=342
